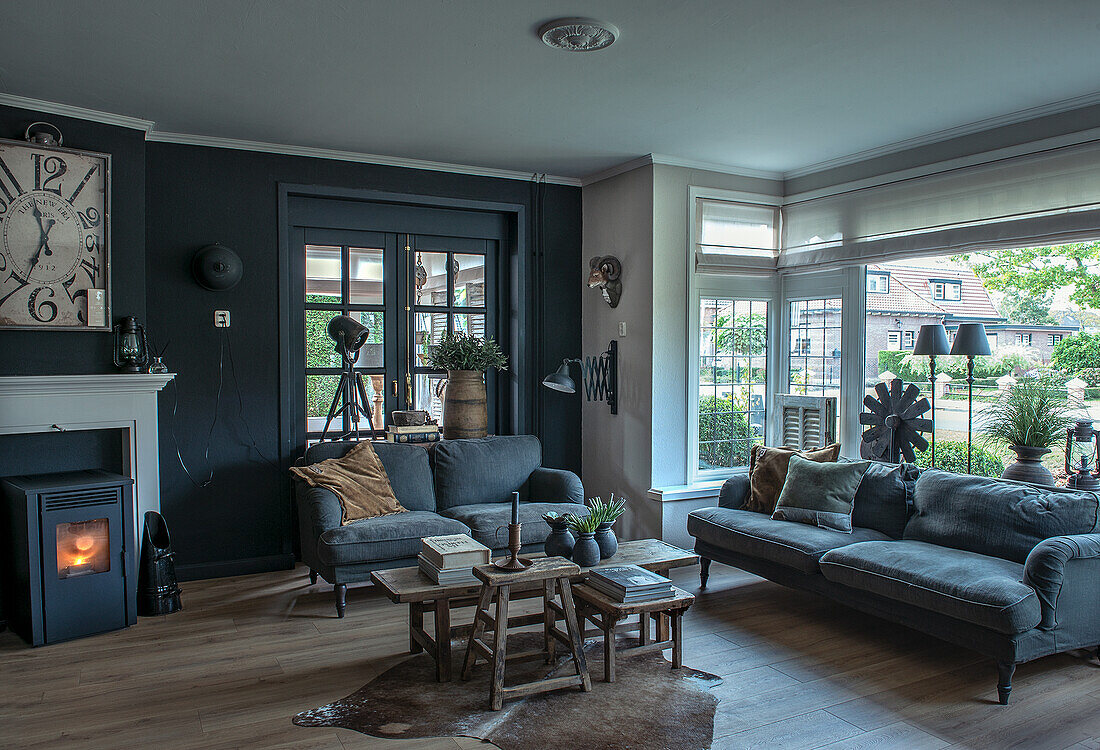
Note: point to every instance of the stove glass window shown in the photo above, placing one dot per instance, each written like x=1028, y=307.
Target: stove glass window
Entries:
x=83, y=548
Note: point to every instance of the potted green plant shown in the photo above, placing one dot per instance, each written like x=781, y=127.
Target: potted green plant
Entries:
x=465, y=358
x=1029, y=417
x=586, y=552
x=606, y=513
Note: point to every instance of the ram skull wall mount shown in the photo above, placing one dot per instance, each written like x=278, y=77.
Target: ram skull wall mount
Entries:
x=604, y=274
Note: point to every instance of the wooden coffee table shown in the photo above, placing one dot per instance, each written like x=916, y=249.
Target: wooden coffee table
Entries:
x=410, y=586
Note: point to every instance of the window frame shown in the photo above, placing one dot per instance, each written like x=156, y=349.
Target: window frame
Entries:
x=908, y=339
x=880, y=275
x=742, y=288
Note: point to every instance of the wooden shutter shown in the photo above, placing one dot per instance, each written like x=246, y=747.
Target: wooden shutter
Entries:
x=807, y=421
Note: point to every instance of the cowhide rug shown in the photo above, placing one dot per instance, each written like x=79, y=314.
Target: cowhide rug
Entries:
x=648, y=707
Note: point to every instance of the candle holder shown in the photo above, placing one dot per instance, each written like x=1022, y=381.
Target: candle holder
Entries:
x=513, y=562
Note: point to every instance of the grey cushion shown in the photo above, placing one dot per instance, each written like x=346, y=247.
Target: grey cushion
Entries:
x=885, y=498
x=483, y=470
x=995, y=517
x=747, y=532
x=406, y=466
x=820, y=494
x=489, y=521
x=385, y=538
x=986, y=591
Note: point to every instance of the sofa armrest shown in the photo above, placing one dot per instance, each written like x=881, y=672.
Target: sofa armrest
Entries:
x=1065, y=573
x=319, y=511
x=735, y=491
x=554, y=486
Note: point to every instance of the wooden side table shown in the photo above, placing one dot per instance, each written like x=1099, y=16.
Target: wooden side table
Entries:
x=554, y=574
x=606, y=614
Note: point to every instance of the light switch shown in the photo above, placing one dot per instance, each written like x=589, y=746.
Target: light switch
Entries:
x=622, y=328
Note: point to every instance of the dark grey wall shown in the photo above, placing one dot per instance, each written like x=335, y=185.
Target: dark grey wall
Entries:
x=168, y=201
x=68, y=352
x=198, y=195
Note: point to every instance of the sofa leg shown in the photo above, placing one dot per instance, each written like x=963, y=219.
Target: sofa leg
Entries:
x=341, y=590
x=704, y=571
x=312, y=577
x=1004, y=680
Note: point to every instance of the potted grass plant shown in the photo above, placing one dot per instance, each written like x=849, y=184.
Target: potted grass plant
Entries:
x=606, y=513
x=1029, y=417
x=466, y=359
x=586, y=552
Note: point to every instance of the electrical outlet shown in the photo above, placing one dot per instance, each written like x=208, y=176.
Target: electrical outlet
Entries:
x=221, y=318
x=622, y=328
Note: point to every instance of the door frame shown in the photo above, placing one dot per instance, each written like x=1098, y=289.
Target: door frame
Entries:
x=514, y=313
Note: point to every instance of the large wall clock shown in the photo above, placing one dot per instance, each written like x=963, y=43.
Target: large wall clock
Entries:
x=54, y=237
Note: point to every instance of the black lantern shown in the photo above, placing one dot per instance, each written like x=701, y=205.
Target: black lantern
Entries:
x=1081, y=456
x=131, y=346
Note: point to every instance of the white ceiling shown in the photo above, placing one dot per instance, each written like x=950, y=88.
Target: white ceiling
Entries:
x=761, y=84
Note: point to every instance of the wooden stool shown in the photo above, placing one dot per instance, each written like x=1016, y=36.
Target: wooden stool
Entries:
x=554, y=573
x=607, y=614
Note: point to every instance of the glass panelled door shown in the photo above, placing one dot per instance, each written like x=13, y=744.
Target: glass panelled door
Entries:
x=353, y=274
x=408, y=290
x=452, y=279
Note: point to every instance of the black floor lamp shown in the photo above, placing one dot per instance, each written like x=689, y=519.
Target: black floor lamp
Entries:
x=932, y=343
x=970, y=341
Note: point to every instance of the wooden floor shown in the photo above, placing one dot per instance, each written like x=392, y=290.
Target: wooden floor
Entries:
x=799, y=672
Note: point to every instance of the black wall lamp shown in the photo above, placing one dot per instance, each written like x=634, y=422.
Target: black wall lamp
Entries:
x=601, y=377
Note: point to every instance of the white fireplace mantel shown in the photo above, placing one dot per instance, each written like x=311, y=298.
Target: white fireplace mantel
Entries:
x=60, y=403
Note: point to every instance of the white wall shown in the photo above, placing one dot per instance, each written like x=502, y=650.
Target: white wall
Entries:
x=616, y=451
x=671, y=256
x=641, y=216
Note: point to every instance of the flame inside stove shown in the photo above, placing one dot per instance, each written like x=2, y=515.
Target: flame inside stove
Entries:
x=83, y=548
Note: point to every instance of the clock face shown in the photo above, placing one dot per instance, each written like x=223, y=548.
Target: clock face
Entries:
x=53, y=237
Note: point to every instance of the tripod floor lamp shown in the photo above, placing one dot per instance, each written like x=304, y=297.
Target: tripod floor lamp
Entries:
x=932, y=343
x=350, y=335
x=970, y=341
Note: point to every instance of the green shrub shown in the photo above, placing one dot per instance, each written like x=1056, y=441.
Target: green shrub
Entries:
x=1078, y=353
x=914, y=368
x=725, y=437
x=951, y=456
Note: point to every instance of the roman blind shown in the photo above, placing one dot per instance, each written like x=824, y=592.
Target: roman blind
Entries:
x=1052, y=196
x=731, y=235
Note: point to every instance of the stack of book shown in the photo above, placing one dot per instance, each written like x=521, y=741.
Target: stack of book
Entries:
x=422, y=433
x=450, y=559
x=629, y=583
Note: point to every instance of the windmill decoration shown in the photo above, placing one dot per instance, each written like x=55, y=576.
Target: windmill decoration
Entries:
x=894, y=423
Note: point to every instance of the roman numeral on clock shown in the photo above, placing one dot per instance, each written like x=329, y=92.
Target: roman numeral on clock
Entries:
x=14, y=183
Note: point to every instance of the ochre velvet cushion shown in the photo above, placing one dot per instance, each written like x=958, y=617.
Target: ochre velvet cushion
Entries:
x=768, y=471
x=358, y=479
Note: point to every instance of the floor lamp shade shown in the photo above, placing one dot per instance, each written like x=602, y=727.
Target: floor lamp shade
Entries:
x=971, y=341
x=932, y=341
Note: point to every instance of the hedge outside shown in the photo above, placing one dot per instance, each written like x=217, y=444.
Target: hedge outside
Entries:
x=951, y=456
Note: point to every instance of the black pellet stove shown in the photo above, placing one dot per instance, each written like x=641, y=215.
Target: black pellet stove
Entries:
x=69, y=562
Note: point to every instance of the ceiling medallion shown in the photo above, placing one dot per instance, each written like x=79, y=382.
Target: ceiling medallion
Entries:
x=578, y=34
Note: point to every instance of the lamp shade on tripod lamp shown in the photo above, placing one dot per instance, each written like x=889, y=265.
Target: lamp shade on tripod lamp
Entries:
x=970, y=341
x=932, y=342
x=348, y=333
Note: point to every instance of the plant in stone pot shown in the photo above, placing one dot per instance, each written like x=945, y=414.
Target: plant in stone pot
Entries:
x=560, y=542
x=606, y=514
x=1030, y=418
x=586, y=552
x=465, y=358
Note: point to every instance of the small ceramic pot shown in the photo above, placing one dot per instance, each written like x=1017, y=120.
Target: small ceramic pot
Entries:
x=606, y=540
x=586, y=552
x=560, y=542
x=1028, y=466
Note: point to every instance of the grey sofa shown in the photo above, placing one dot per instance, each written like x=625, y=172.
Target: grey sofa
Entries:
x=453, y=487
x=1007, y=569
